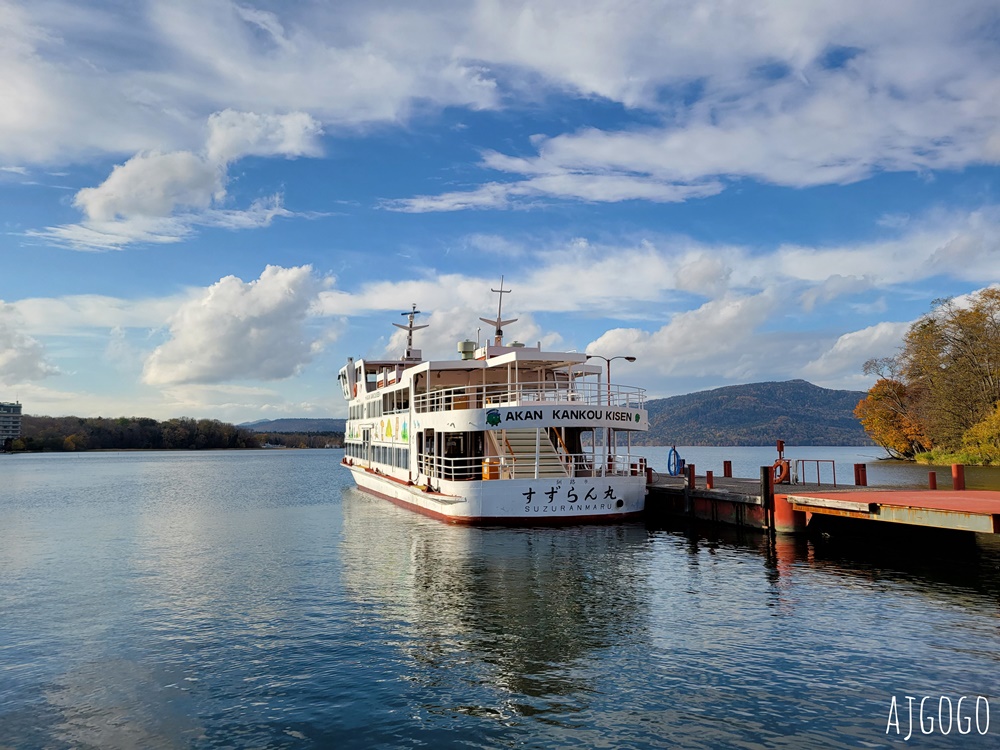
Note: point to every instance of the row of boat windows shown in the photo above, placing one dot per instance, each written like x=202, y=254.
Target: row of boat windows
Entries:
x=391, y=403
x=367, y=410
x=383, y=454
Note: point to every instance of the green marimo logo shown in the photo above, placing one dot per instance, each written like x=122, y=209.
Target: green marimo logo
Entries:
x=493, y=417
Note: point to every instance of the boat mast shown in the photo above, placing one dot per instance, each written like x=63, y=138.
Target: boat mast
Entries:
x=499, y=323
x=410, y=328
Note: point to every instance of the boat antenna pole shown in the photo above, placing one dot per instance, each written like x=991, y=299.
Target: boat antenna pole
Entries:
x=499, y=323
x=410, y=328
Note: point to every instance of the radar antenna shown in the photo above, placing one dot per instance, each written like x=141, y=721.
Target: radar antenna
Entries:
x=499, y=323
x=410, y=328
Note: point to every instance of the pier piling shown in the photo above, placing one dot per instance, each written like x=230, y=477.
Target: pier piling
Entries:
x=957, y=477
x=932, y=480
x=860, y=475
x=727, y=469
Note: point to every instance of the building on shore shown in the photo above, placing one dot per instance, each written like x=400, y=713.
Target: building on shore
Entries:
x=10, y=421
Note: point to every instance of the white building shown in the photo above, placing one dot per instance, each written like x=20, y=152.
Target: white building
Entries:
x=10, y=421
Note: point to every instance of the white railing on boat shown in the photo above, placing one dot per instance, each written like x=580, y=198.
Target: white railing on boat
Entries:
x=525, y=394
x=510, y=467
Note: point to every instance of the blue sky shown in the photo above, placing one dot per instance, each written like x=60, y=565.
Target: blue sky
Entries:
x=208, y=206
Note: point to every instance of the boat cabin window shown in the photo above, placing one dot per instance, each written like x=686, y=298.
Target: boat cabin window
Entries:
x=396, y=401
x=373, y=408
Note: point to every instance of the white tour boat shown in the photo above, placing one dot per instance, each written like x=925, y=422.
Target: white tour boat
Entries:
x=503, y=435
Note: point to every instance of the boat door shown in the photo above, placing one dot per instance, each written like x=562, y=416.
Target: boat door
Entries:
x=366, y=443
x=426, y=451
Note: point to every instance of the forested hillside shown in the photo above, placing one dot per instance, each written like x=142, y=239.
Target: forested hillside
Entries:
x=795, y=411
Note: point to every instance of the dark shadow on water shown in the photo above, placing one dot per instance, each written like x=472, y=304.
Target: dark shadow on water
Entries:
x=927, y=559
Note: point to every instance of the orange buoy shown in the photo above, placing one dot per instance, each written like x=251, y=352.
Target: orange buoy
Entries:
x=781, y=471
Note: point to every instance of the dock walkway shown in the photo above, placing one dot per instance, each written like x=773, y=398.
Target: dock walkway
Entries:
x=790, y=507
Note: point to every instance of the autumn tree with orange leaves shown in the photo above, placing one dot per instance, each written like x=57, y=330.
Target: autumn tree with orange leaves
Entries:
x=942, y=390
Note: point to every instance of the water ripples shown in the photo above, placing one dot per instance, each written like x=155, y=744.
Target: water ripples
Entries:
x=255, y=600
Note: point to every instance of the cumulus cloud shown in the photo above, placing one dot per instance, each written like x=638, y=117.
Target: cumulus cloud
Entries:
x=853, y=349
x=160, y=197
x=239, y=331
x=22, y=358
x=152, y=185
x=718, y=335
x=233, y=135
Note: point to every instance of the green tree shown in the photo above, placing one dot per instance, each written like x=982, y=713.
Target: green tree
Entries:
x=944, y=382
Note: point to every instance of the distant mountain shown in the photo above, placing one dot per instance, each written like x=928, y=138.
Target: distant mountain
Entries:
x=795, y=411
x=296, y=425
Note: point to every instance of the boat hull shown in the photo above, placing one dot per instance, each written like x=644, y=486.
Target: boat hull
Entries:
x=514, y=502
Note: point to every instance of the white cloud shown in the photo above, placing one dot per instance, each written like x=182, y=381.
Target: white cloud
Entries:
x=239, y=331
x=801, y=93
x=159, y=198
x=833, y=287
x=22, y=358
x=448, y=326
x=114, y=235
x=720, y=337
x=73, y=314
x=641, y=277
x=152, y=185
x=490, y=195
x=233, y=135
x=593, y=188
x=851, y=350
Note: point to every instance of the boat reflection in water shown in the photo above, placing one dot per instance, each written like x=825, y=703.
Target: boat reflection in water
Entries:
x=499, y=616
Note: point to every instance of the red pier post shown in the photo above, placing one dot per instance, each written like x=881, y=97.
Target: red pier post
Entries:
x=709, y=480
x=958, y=476
x=932, y=480
x=727, y=469
x=860, y=475
x=690, y=471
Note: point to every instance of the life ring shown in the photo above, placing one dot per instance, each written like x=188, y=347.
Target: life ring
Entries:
x=781, y=471
x=674, y=463
x=355, y=390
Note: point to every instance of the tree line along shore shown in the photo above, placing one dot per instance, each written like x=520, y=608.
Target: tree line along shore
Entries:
x=937, y=400
x=142, y=433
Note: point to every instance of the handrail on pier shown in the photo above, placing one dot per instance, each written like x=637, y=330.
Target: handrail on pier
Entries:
x=800, y=468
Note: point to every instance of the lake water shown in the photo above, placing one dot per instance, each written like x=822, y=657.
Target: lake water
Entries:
x=228, y=599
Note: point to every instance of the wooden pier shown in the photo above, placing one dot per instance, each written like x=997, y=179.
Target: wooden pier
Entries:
x=760, y=504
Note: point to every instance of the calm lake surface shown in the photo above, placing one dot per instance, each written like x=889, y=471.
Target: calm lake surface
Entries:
x=255, y=599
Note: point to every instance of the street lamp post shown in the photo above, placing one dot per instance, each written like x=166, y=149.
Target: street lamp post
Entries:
x=609, y=360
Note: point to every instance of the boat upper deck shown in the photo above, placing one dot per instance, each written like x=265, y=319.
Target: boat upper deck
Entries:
x=500, y=376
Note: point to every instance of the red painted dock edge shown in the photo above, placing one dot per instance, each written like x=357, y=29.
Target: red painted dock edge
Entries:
x=786, y=518
x=973, y=510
